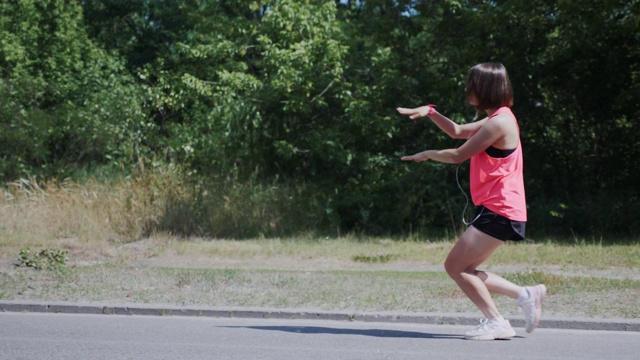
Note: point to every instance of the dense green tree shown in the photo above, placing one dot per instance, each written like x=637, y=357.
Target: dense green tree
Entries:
x=62, y=100
x=304, y=92
x=587, y=123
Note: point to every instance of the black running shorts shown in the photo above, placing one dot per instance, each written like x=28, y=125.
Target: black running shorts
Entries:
x=498, y=226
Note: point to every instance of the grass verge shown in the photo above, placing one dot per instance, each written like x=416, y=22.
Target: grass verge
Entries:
x=340, y=290
x=104, y=234
x=346, y=274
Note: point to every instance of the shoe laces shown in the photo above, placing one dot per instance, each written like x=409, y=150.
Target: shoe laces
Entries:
x=485, y=324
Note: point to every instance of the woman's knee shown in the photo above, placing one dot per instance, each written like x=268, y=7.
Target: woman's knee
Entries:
x=471, y=250
x=454, y=267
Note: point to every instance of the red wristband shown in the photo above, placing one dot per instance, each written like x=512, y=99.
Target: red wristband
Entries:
x=432, y=109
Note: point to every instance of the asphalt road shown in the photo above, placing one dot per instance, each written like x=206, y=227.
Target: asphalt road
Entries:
x=33, y=336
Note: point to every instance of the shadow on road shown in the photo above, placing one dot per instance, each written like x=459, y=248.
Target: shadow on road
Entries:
x=362, y=332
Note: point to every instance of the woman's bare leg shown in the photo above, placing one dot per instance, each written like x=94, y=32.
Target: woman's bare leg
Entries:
x=495, y=283
x=472, y=249
x=499, y=285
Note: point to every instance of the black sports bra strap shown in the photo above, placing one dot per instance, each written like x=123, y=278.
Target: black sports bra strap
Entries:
x=498, y=153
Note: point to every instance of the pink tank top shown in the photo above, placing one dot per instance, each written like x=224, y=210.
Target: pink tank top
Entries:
x=498, y=183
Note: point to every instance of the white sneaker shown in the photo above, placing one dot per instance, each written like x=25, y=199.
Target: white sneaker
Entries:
x=532, y=307
x=491, y=330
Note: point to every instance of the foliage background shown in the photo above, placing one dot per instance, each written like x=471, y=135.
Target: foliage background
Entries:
x=278, y=117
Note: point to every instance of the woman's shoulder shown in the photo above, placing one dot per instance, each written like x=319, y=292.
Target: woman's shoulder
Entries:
x=503, y=111
x=505, y=123
x=504, y=115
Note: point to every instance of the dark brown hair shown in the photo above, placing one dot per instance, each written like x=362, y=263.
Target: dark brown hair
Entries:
x=490, y=84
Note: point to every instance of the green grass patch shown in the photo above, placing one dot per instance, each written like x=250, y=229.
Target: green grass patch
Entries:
x=47, y=259
x=374, y=258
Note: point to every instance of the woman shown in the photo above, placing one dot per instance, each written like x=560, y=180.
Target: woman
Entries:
x=497, y=189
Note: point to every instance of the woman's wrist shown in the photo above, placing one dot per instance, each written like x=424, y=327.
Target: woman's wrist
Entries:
x=432, y=109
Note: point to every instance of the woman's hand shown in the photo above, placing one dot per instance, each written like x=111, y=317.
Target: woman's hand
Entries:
x=419, y=157
x=418, y=112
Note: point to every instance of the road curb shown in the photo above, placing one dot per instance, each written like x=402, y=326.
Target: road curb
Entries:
x=260, y=313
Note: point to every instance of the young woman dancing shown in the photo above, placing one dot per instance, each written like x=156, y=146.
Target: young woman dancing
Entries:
x=497, y=189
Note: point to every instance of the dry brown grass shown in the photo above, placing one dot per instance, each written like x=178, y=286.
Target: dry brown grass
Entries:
x=39, y=213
